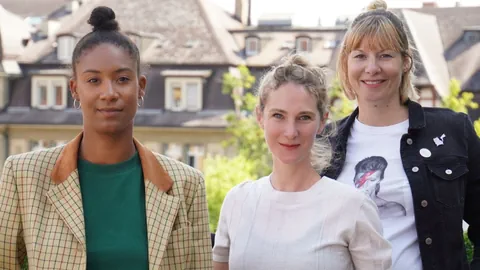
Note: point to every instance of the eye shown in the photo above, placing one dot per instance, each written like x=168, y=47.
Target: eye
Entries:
x=277, y=115
x=359, y=56
x=386, y=55
x=305, y=117
x=93, y=80
x=123, y=79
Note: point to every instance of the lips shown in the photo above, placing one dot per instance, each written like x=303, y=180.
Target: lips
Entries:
x=290, y=146
x=109, y=112
x=373, y=83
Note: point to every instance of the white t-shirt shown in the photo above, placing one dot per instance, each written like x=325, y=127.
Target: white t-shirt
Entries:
x=373, y=164
x=329, y=226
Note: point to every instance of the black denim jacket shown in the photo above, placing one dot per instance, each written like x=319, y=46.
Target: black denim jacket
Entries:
x=445, y=187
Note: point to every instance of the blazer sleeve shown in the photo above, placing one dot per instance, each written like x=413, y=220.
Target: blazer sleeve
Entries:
x=472, y=196
x=201, y=239
x=12, y=246
x=368, y=248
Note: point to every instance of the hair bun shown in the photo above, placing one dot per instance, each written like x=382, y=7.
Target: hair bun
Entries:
x=103, y=19
x=377, y=4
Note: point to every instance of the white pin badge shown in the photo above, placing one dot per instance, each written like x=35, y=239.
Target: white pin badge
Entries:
x=424, y=152
x=439, y=140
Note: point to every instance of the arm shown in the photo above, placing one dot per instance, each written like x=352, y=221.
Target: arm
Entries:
x=202, y=244
x=472, y=195
x=220, y=266
x=368, y=249
x=12, y=247
x=221, y=250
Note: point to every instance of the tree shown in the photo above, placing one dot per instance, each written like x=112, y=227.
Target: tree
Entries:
x=341, y=106
x=459, y=101
x=252, y=158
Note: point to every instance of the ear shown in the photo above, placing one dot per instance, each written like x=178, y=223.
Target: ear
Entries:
x=322, y=123
x=142, y=83
x=259, y=115
x=407, y=64
x=73, y=88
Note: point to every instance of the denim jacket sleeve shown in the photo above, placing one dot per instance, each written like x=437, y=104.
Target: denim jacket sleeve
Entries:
x=472, y=199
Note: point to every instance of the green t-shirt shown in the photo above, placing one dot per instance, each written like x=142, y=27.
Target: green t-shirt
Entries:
x=115, y=220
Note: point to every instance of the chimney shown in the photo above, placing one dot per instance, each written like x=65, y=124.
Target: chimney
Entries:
x=242, y=11
x=430, y=4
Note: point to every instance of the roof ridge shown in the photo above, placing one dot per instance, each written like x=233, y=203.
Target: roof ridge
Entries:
x=230, y=57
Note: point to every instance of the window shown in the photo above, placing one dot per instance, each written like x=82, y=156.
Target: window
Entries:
x=471, y=37
x=49, y=92
x=428, y=97
x=65, y=46
x=183, y=94
x=303, y=44
x=174, y=151
x=42, y=144
x=195, y=154
x=252, y=46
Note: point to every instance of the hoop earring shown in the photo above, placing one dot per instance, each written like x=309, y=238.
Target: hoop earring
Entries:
x=140, y=104
x=75, y=104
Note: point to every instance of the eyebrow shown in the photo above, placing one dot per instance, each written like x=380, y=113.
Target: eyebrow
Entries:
x=116, y=71
x=284, y=112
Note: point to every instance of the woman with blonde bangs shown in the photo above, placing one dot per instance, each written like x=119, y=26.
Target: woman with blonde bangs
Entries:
x=293, y=218
x=419, y=165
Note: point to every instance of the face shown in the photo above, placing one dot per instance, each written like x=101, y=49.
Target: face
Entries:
x=375, y=74
x=368, y=181
x=108, y=88
x=290, y=121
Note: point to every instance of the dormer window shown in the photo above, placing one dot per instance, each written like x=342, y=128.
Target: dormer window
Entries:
x=252, y=46
x=49, y=92
x=65, y=46
x=303, y=44
x=471, y=37
x=183, y=94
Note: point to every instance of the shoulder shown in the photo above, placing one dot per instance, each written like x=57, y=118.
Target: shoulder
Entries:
x=443, y=114
x=242, y=190
x=179, y=171
x=344, y=194
x=38, y=160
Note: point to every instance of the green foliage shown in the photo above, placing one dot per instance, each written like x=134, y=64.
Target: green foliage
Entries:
x=468, y=247
x=460, y=102
x=456, y=101
x=252, y=158
x=341, y=105
x=221, y=174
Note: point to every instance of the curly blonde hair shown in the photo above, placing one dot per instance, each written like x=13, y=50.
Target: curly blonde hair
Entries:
x=297, y=69
x=383, y=30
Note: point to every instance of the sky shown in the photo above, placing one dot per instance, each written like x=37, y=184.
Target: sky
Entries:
x=308, y=12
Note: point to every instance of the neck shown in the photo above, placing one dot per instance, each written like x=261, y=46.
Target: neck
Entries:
x=382, y=114
x=105, y=148
x=294, y=177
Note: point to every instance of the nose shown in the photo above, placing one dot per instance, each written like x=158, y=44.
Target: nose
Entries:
x=108, y=91
x=372, y=66
x=290, y=131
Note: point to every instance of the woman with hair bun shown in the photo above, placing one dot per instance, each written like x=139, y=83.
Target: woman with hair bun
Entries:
x=103, y=200
x=420, y=165
x=293, y=218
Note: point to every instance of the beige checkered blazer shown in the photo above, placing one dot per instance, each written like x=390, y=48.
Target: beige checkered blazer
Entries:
x=41, y=215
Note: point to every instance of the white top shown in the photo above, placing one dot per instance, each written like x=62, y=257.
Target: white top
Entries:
x=329, y=226
x=374, y=165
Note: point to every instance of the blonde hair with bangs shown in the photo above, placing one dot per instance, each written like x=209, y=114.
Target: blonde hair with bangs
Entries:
x=382, y=30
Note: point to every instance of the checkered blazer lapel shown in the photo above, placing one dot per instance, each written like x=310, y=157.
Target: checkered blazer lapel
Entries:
x=66, y=199
x=161, y=212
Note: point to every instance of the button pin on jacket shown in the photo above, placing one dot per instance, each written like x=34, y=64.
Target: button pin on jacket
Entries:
x=439, y=140
x=424, y=152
